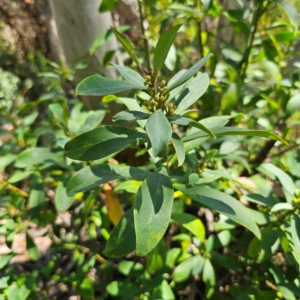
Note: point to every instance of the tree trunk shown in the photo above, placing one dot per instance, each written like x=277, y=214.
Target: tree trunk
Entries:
x=79, y=23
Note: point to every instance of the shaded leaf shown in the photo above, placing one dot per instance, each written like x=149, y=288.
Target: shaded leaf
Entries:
x=209, y=278
x=162, y=48
x=32, y=249
x=93, y=175
x=291, y=11
x=166, y=291
x=122, y=239
x=159, y=131
x=103, y=141
x=156, y=259
x=99, y=86
x=222, y=203
x=127, y=117
x=152, y=211
x=191, y=223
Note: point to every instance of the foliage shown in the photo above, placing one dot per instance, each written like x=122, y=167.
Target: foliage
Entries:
x=210, y=207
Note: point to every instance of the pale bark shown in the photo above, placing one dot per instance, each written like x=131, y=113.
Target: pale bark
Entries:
x=79, y=23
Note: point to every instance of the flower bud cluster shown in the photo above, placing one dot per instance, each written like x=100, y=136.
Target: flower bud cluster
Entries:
x=158, y=97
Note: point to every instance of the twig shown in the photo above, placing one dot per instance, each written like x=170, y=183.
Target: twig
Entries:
x=200, y=42
x=14, y=188
x=146, y=44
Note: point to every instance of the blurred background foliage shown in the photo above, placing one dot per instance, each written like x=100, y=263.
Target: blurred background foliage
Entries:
x=51, y=244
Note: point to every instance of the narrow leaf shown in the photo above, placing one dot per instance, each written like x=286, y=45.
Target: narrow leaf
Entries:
x=127, y=46
x=122, y=239
x=222, y=131
x=162, y=48
x=197, y=87
x=159, y=131
x=179, y=148
x=152, y=211
x=94, y=175
x=222, y=203
x=127, y=117
x=188, y=74
x=203, y=128
x=130, y=75
x=98, y=86
x=103, y=141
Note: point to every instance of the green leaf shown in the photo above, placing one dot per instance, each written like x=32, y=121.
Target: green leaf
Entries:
x=93, y=175
x=223, y=131
x=162, y=48
x=152, y=210
x=196, y=88
x=62, y=201
x=166, y=291
x=127, y=117
x=156, y=259
x=190, y=266
x=92, y=121
x=36, y=194
x=203, y=128
x=108, y=5
x=188, y=74
x=4, y=259
x=58, y=113
x=130, y=186
x=7, y=159
x=36, y=156
x=293, y=104
x=282, y=206
x=127, y=46
x=209, y=278
x=103, y=141
x=122, y=240
x=222, y=203
x=130, y=75
x=230, y=98
x=191, y=223
x=260, y=199
x=295, y=228
x=285, y=180
x=291, y=11
x=104, y=37
x=159, y=131
x=179, y=148
x=186, y=9
x=32, y=249
x=98, y=86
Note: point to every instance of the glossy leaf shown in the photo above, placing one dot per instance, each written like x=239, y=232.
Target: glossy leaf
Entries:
x=187, y=74
x=93, y=175
x=130, y=75
x=127, y=117
x=223, y=131
x=62, y=201
x=179, y=148
x=103, y=141
x=222, y=203
x=122, y=240
x=159, y=131
x=197, y=87
x=152, y=211
x=191, y=223
x=162, y=48
x=99, y=86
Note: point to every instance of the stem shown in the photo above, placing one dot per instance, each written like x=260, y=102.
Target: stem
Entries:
x=146, y=44
x=200, y=42
x=13, y=188
x=243, y=65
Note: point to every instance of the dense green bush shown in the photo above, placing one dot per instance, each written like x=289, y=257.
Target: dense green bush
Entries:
x=206, y=206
